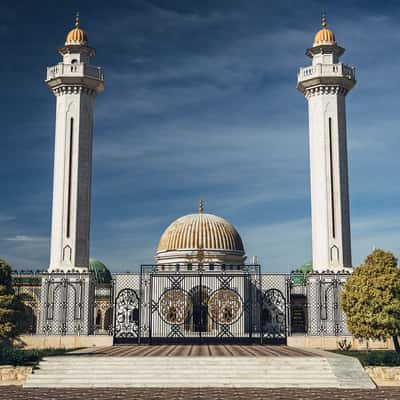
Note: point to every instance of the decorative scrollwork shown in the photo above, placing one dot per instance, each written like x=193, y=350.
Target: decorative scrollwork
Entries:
x=127, y=314
x=273, y=313
x=225, y=306
x=174, y=306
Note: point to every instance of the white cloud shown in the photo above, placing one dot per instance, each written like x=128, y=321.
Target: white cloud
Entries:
x=6, y=218
x=25, y=238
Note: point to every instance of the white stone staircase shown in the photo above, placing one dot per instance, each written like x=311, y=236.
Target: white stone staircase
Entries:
x=267, y=372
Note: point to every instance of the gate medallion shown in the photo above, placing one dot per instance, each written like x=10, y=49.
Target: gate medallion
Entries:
x=225, y=306
x=174, y=306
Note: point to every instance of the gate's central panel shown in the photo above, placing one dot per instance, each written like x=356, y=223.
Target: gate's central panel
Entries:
x=201, y=305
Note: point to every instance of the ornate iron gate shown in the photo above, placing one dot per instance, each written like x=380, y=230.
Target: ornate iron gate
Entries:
x=228, y=306
x=127, y=316
x=273, y=315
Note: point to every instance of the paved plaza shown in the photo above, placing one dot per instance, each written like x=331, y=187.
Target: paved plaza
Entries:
x=204, y=350
x=17, y=393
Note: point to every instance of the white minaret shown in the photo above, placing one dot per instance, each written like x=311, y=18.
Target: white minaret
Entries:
x=75, y=83
x=325, y=84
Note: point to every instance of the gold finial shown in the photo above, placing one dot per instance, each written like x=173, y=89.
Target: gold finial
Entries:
x=323, y=20
x=201, y=206
x=77, y=21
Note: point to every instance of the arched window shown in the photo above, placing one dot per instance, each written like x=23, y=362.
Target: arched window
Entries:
x=199, y=320
x=108, y=317
x=98, y=319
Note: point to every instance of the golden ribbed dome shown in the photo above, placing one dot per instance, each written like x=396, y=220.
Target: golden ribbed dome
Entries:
x=200, y=231
x=325, y=35
x=77, y=35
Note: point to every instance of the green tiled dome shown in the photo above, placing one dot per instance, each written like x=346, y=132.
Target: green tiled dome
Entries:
x=101, y=272
x=299, y=276
x=306, y=268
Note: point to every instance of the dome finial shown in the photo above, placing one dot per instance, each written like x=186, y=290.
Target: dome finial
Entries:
x=323, y=20
x=201, y=206
x=324, y=36
x=76, y=36
x=77, y=20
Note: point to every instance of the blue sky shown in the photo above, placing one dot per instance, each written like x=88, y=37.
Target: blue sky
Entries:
x=200, y=100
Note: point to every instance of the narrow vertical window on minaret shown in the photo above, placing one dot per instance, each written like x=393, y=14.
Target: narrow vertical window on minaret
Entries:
x=332, y=182
x=71, y=137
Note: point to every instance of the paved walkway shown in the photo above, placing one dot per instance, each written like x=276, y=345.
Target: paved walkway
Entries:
x=196, y=351
x=17, y=393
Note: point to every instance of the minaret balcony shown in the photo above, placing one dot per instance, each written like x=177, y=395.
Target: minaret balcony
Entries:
x=79, y=70
x=326, y=74
x=326, y=70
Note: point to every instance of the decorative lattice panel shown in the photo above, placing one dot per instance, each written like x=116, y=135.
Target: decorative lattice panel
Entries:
x=325, y=317
x=67, y=304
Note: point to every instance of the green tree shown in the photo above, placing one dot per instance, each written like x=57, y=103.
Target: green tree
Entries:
x=371, y=298
x=12, y=310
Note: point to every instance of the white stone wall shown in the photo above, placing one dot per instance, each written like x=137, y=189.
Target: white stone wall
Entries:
x=71, y=251
x=329, y=182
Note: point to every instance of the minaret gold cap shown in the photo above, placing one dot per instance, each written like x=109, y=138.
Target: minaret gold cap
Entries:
x=325, y=36
x=76, y=36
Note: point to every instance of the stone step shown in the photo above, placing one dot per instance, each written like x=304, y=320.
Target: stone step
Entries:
x=181, y=378
x=272, y=372
x=298, y=368
x=268, y=377
x=187, y=373
x=190, y=373
x=190, y=360
x=197, y=368
x=179, y=381
x=193, y=383
x=177, y=365
x=172, y=370
x=189, y=385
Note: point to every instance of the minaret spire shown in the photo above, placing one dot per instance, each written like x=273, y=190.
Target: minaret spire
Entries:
x=77, y=20
x=201, y=206
x=323, y=20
